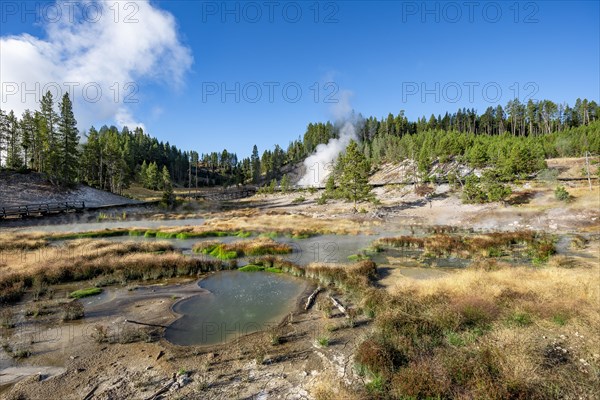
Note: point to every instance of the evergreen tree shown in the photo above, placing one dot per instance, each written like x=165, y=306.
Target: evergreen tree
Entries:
x=91, y=159
x=285, y=183
x=13, y=148
x=168, y=197
x=28, y=128
x=143, y=173
x=152, y=180
x=354, y=177
x=68, y=136
x=330, y=190
x=51, y=148
x=194, y=159
x=255, y=165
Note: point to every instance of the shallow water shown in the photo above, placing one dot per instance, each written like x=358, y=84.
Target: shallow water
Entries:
x=238, y=303
x=96, y=226
x=326, y=248
x=323, y=248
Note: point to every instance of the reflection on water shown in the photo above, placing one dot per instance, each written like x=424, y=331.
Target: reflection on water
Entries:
x=326, y=248
x=239, y=303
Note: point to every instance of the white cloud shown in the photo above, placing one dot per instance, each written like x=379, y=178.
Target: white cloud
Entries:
x=105, y=53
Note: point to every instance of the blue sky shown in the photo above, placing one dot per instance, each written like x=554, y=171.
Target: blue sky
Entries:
x=378, y=56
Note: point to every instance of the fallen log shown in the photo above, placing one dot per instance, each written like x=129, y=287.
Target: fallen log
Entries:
x=339, y=306
x=90, y=394
x=164, y=389
x=311, y=298
x=143, y=323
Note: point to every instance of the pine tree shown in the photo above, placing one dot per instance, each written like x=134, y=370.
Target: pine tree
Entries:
x=143, y=172
x=152, y=178
x=91, y=159
x=50, y=154
x=354, y=177
x=13, y=148
x=255, y=164
x=68, y=137
x=168, y=198
x=285, y=184
x=194, y=158
x=28, y=128
x=330, y=190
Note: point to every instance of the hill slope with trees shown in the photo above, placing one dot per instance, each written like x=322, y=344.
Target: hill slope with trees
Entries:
x=512, y=141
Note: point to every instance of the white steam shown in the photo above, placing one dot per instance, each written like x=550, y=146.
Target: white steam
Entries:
x=320, y=164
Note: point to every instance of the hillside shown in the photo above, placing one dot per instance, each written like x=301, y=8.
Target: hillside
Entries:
x=31, y=188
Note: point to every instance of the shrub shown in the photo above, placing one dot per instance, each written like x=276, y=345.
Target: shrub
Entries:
x=72, y=311
x=422, y=379
x=7, y=318
x=323, y=341
x=100, y=333
x=560, y=193
x=378, y=357
x=299, y=199
x=476, y=312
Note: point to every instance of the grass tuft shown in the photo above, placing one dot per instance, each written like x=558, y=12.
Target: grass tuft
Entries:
x=78, y=294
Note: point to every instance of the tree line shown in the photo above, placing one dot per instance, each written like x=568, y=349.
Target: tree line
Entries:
x=514, y=139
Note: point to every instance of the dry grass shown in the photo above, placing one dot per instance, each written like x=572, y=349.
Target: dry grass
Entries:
x=488, y=334
x=87, y=259
x=20, y=241
x=251, y=220
x=442, y=244
x=353, y=277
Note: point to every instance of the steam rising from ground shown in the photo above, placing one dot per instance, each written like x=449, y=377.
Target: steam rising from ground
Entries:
x=320, y=164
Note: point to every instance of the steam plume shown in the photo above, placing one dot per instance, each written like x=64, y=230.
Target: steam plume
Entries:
x=320, y=164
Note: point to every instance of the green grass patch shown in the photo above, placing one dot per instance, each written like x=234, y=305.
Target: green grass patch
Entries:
x=358, y=257
x=303, y=235
x=166, y=235
x=78, y=294
x=89, y=235
x=520, y=319
x=243, y=234
x=298, y=200
x=150, y=234
x=252, y=268
x=560, y=319
x=274, y=270
x=222, y=254
x=270, y=235
x=323, y=341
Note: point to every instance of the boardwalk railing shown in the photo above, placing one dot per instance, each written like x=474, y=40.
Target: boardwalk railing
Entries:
x=28, y=210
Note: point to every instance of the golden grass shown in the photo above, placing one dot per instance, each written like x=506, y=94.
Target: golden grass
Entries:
x=87, y=259
x=283, y=223
x=441, y=244
x=21, y=241
x=488, y=334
